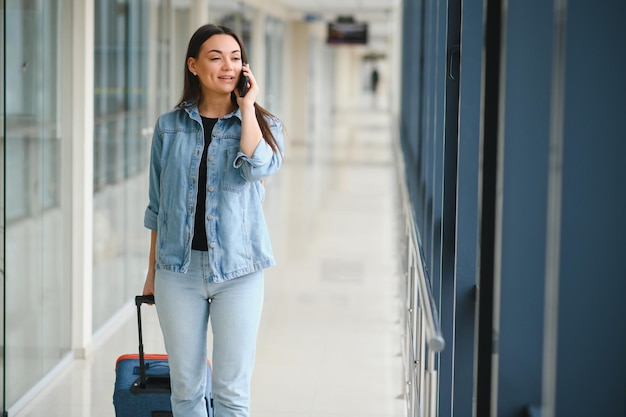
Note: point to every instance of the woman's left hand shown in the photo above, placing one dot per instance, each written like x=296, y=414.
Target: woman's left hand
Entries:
x=251, y=133
x=253, y=88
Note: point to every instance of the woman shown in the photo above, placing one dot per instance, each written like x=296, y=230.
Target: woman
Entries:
x=209, y=242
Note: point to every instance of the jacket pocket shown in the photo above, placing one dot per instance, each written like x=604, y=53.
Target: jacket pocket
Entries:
x=172, y=236
x=231, y=176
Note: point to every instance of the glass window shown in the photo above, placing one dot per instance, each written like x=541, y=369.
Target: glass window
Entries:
x=121, y=153
x=131, y=78
x=37, y=286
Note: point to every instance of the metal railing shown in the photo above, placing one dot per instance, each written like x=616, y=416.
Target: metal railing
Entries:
x=422, y=337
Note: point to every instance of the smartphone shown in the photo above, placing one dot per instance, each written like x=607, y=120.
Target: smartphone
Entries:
x=242, y=84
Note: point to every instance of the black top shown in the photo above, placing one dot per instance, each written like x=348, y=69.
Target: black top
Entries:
x=199, y=232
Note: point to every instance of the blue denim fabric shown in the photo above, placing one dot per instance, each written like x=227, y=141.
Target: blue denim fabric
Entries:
x=237, y=234
x=183, y=307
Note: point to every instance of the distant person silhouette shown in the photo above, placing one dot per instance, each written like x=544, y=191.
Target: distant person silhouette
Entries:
x=374, y=80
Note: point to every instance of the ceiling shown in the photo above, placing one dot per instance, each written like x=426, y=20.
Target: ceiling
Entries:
x=341, y=6
x=377, y=13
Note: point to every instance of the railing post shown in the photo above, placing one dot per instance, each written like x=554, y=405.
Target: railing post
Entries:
x=432, y=386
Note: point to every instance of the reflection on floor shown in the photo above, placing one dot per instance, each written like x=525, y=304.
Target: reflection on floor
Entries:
x=329, y=343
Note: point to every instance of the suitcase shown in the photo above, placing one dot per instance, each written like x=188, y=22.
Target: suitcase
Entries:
x=142, y=381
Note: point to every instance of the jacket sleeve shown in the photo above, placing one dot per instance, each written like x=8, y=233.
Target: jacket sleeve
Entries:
x=154, y=187
x=264, y=162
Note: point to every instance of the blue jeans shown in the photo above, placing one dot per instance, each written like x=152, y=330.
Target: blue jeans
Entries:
x=185, y=303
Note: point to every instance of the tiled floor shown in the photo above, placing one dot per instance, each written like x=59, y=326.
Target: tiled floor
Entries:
x=329, y=343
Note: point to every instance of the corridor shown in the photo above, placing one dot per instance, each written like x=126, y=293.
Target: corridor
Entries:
x=329, y=342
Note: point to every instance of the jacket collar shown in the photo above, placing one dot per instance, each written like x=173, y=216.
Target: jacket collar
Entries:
x=195, y=114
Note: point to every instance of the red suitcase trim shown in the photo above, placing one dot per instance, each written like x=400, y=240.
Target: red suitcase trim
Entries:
x=154, y=356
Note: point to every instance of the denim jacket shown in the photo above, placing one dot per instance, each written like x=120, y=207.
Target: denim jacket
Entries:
x=237, y=235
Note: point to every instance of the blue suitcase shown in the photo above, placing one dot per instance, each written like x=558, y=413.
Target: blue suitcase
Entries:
x=142, y=382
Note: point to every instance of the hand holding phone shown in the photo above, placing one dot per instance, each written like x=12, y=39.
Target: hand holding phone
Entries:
x=242, y=83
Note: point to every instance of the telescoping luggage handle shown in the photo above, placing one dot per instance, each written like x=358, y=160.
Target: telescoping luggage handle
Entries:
x=139, y=300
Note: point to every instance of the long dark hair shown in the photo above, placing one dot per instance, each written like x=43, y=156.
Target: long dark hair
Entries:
x=192, y=90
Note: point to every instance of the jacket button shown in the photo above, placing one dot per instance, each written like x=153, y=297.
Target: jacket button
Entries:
x=212, y=245
x=210, y=217
x=211, y=158
x=211, y=188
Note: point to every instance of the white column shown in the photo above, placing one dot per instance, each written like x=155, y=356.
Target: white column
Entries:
x=258, y=64
x=296, y=101
x=344, y=77
x=82, y=174
x=394, y=66
x=199, y=14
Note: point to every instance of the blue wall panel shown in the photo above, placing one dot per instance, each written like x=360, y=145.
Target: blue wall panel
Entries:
x=449, y=201
x=411, y=103
x=467, y=207
x=524, y=144
x=591, y=350
x=510, y=185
